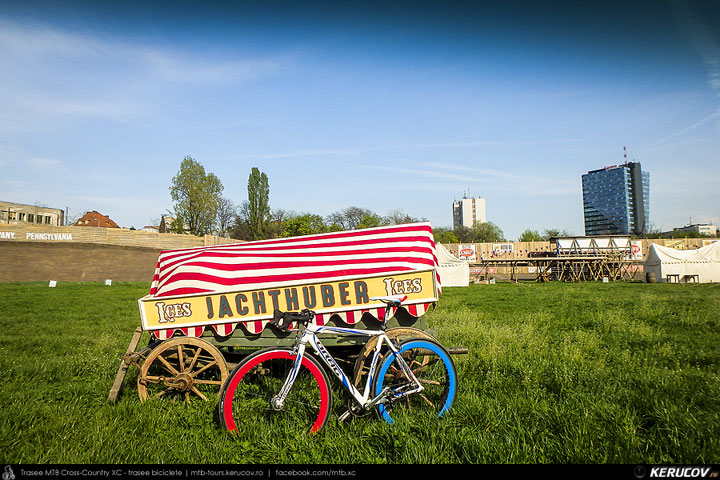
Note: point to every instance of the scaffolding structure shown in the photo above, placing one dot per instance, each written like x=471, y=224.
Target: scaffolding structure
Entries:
x=572, y=259
x=564, y=269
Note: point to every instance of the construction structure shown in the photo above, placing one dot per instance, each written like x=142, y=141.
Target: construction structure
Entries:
x=572, y=259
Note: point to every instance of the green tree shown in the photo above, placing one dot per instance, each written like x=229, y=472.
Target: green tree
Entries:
x=371, y=220
x=550, y=233
x=444, y=235
x=530, y=236
x=554, y=232
x=258, y=204
x=305, y=224
x=687, y=234
x=486, y=232
x=353, y=218
x=276, y=223
x=463, y=234
x=197, y=197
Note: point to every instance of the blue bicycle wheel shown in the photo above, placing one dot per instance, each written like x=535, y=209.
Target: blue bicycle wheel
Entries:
x=432, y=366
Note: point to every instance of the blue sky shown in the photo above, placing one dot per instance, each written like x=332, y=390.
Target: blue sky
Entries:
x=387, y=105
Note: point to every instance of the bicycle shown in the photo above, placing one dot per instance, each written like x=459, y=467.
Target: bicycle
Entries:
x=283, y=385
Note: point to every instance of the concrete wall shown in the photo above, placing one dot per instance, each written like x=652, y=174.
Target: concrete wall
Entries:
x=26, y=262
x=85, y=254
x=106, y=236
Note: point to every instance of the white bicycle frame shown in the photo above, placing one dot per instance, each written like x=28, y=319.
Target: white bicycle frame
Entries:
x=364, y=399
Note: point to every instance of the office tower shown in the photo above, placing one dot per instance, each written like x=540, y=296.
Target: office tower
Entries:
x=616, y=200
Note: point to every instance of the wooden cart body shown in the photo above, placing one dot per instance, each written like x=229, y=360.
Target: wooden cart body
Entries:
x=229, y=292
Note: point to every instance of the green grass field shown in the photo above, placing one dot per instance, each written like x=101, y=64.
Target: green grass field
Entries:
x=557, y=373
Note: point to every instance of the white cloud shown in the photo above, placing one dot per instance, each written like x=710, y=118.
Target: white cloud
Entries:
x=49, y=71
x=12, y=184
x=304, y=153
x=404, y=172
x=173, y=67
x=683, y=131
x=53, y=105
x=531, y=184
x=37, y=40
x=487, y=179
x=13, y=159
x=44, y=162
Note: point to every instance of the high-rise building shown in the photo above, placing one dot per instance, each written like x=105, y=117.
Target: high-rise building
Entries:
x=616, y=200
x=468, y=211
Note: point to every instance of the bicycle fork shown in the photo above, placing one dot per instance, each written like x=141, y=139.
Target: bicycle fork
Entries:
x=278, y=401
x=398, y=392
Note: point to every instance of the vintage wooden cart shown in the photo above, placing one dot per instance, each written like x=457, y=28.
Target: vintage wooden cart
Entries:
x=208, y=306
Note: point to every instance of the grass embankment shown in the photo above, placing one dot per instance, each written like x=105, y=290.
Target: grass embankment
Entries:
x=557, y=373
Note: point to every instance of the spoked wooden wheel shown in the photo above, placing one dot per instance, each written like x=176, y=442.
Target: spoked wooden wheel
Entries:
x=397, y=334
x=183, y=368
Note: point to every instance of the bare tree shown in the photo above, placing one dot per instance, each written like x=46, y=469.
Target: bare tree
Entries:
x=352, y=218
x=398, y=217
x=227, y=211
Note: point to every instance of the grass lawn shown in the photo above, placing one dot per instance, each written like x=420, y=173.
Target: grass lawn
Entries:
x=557, y=373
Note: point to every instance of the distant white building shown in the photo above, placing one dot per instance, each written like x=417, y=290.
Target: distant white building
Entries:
x=468, y=211
x=701, y=228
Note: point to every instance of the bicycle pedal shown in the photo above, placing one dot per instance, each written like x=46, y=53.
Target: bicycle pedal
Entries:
x=344, y=416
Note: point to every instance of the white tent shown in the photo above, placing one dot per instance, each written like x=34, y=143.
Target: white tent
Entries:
x=453, y=271
x=703, y=262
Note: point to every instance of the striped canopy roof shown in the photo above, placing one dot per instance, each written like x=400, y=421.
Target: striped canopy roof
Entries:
x=293, y=261
x=290, y=261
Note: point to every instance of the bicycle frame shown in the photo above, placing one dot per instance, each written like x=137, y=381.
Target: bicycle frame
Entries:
x=364, y=399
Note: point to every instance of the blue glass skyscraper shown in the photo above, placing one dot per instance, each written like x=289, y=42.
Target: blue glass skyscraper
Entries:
x=616, y=200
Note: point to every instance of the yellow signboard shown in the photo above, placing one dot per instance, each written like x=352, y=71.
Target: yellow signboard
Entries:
x=327, y=297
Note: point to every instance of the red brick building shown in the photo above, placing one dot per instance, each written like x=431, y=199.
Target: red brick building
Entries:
x=95, y=219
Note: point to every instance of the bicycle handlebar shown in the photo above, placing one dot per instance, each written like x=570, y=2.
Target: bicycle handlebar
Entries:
x=282, y=320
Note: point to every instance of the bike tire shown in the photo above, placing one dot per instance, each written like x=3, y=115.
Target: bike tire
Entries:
x=433, y=367
x=364, y=358
x=245, y=397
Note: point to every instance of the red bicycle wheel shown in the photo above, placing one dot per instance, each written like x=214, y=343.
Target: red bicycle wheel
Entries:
x=245, y=401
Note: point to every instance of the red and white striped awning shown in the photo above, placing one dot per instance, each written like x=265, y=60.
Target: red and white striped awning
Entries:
x=291, y=261
x=256, y=326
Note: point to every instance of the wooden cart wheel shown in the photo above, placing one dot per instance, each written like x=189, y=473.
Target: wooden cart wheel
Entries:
x=362, y=364
x=182, y=367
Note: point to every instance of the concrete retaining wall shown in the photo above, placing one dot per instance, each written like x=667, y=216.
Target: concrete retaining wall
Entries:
x=65, y=262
